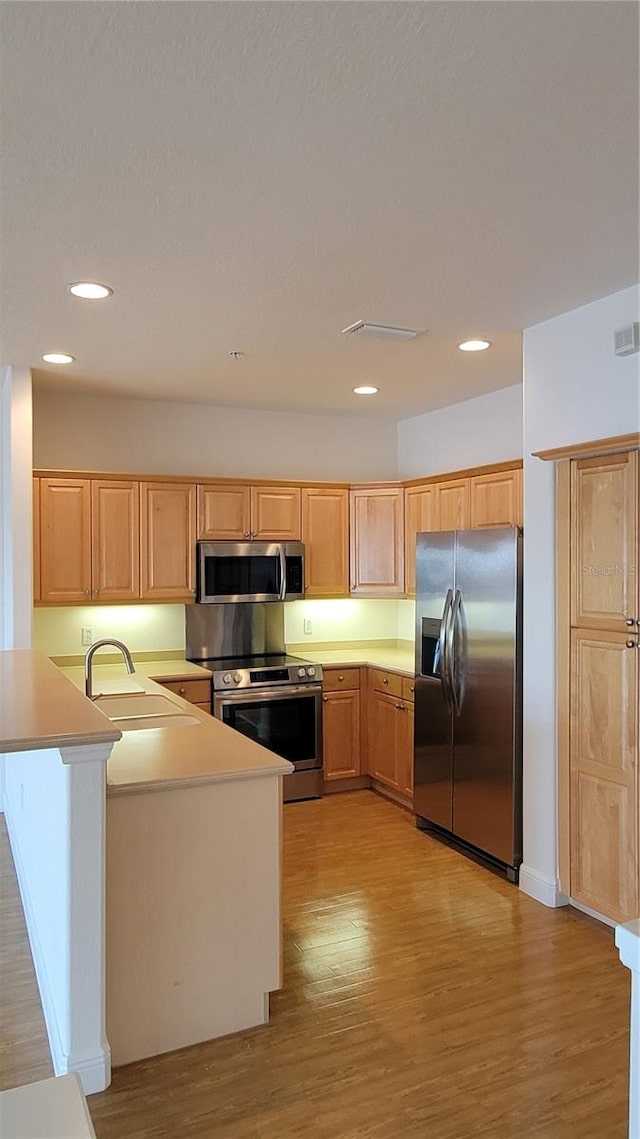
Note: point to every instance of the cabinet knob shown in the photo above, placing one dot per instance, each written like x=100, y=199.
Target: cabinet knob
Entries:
x=182, y=691
x=384, y=680
x=325, y=699
x=341, y=678
x=630, y=621
x=87, y=593
x=631, y=644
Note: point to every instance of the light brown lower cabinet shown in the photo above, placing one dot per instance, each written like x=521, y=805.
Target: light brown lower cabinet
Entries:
x=390, y=732
x=341, y=723
x=196, y=691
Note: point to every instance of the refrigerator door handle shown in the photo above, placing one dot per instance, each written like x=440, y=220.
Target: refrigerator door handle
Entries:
x=455, y=675
x=443, y=650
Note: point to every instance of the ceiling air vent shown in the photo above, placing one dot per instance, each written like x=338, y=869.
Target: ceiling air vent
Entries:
x=626, y=340
x=380, y=331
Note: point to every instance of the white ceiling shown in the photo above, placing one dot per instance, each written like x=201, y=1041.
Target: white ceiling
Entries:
x=256, y=176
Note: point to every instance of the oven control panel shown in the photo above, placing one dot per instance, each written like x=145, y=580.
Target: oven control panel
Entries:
x=299, y=673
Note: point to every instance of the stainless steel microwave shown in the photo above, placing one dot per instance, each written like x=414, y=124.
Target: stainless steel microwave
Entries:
x=249, y=571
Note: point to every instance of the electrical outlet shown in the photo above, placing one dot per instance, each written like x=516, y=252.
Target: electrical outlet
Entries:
x=307, y=625
x=87, y=635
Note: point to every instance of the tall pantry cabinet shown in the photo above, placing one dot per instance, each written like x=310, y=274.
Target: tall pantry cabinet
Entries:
x=598, y=675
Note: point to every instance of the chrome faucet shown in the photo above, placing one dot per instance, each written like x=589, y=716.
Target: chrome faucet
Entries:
x=88, y=661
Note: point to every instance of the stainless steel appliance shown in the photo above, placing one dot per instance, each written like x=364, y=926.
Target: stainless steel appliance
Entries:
x=249, y=571
x=468, y=706
x=270, y=697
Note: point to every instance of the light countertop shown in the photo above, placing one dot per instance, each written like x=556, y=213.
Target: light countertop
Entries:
x=394, y=659
x=177, y=755
x=39, y=709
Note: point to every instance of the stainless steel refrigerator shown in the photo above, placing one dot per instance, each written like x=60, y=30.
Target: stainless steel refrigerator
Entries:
x=468, y=697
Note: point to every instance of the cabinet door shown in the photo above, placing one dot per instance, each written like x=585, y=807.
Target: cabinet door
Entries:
x=604, y=773
x=325, y=533
x=167, y=531
x=496, y=499
x=275, y=513
x=65, y=539
x=452, y=509
x=224, y=512
x=405, y=748
x=341, y=734
x=36, y=539
x=604, y=541
x=419, y=516
x=384, y=738
x=377, y=541
x=115, y=540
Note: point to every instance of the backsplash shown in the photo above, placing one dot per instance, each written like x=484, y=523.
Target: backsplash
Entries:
x=57, y=631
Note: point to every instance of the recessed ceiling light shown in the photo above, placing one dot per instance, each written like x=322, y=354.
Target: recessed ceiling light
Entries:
x=365, y=389
x=380, y=331
x=474, y=345
x=90, y=290
x=58, y=358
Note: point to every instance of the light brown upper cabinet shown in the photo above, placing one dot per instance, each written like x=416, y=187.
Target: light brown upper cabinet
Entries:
x=452, y=505
x=115, y=540
x=419, y=515
x=224, y=512
x=271, y=513
x=325, y=533
x=65, y=540
x=604, y=542
x=377, y=540
x=496, y=499
x=167, y=533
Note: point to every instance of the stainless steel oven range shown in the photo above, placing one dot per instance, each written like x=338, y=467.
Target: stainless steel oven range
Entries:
x=275, y=700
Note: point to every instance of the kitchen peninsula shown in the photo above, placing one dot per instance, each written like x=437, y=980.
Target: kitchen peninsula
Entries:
x=193, y=921
x=191, y=936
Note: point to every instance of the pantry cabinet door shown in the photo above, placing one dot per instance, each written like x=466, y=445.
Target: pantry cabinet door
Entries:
x=496, y=499
x=604, y=542
x=65, y=540
x=115, y=540
x=341, y=734
x=419, y=516
x=224, y=512
x=603, y=820
x=325, y=533
x=167, y=533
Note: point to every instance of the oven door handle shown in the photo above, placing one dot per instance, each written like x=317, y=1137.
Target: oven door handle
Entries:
x=268, y=695
x=283, y=572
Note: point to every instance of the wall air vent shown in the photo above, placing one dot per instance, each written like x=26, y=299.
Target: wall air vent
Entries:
x=626, y=340
x=380, y=331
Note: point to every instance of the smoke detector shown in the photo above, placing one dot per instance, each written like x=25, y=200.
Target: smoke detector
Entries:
x=626, y=340
x=380, y=331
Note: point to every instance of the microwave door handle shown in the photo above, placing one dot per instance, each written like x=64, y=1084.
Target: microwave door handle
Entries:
x=283, y=572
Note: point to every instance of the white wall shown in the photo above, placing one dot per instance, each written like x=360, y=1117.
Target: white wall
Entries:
x=16, y=572
x=575, y=390
x=469, y=434
x=96, y=433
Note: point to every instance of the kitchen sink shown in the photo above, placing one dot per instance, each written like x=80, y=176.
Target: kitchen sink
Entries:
x=141, y=723
x=132, y=706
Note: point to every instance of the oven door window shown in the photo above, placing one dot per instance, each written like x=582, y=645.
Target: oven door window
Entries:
x=286, y=726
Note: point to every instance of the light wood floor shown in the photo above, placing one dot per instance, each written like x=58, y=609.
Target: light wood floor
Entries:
x=423, y=996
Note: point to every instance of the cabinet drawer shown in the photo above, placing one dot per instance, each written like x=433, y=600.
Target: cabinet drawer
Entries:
x=195, y=691
x=386, y=681
x=334, y=679
x=408, y=688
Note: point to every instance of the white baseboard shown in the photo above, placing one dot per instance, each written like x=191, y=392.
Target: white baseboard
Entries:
x=592, y=913
x=94, y=1069
x=542, y=889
